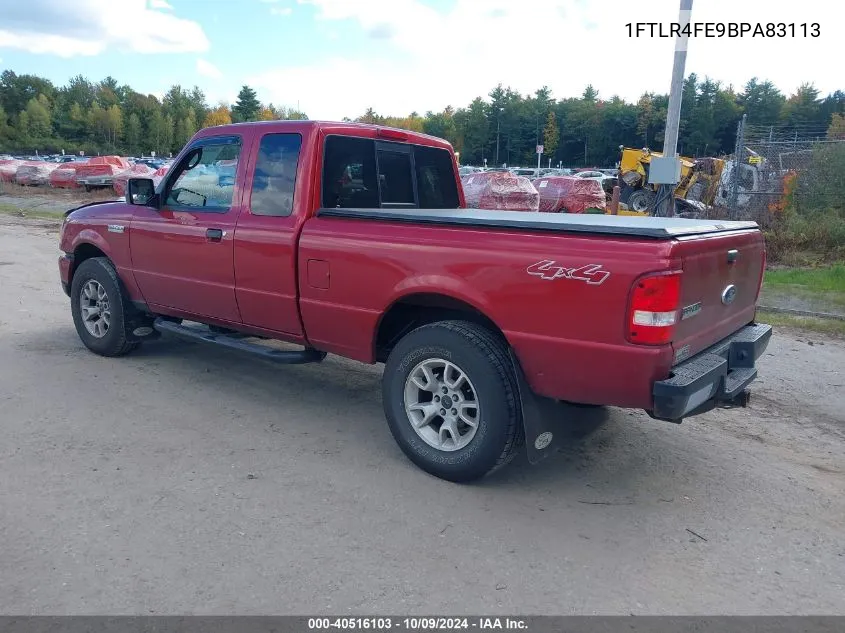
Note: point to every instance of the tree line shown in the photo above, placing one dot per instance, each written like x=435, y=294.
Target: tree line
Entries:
x=507, y=126
x=106, y=117
x=503, y=127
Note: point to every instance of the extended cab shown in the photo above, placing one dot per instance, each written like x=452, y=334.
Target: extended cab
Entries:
x=354, y=240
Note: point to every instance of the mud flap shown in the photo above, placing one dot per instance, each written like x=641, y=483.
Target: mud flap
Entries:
x=137, y=324
x=537, y=413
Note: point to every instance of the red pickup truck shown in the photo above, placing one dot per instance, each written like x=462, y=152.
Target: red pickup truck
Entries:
x=354, y=240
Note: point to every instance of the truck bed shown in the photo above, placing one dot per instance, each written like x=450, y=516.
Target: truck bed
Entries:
x=645, y=227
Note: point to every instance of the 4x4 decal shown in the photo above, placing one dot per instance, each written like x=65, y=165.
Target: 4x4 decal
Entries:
x=549, y=270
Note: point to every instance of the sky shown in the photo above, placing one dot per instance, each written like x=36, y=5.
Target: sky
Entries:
x=336, y=58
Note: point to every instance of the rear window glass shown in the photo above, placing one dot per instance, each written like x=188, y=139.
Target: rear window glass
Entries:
x=394, y=172
x=436, y=184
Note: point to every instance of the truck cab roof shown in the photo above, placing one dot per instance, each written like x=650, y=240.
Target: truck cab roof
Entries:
x=365, y=130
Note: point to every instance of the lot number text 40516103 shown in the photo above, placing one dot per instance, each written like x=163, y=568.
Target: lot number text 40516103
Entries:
x=416, y=623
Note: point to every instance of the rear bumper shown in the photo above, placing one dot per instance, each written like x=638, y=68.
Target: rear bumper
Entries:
x=717, y=376
x=96, y=181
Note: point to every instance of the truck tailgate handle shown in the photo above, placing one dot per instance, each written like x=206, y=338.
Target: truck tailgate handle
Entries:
x=214, y=235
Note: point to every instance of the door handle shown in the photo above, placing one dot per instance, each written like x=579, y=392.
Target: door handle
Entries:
x=214, y=235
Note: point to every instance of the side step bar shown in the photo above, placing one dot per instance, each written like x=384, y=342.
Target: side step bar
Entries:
x=234, y=341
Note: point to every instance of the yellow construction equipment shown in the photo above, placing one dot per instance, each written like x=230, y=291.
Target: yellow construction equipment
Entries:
x=698, y=188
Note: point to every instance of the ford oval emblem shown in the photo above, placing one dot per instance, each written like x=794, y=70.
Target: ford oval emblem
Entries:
x=728, y=295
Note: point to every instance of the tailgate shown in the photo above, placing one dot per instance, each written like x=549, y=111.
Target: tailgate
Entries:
x=719, y=287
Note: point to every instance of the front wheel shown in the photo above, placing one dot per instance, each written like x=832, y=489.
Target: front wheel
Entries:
x=451, y=400
x=99, y=308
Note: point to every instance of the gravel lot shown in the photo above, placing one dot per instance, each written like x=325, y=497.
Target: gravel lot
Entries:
x=185, y=479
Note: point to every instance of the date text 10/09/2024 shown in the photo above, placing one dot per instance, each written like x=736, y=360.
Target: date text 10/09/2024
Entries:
x=724, y=29
x=416, y=624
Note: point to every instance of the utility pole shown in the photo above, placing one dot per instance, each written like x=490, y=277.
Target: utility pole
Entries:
x=498, y=130
x=668, y=168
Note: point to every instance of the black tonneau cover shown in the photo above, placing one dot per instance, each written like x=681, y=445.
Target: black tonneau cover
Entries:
x=626, y=225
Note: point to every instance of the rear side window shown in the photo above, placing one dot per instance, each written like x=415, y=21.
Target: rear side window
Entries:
x=361, y=173
x=349, y=173
x=436, y=184
x=274, y=181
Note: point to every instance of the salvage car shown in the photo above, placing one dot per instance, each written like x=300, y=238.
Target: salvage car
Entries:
x=99, y=171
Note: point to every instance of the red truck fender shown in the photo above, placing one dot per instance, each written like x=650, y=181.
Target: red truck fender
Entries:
x=90, y=238
x=439, y=292
x=93, y=237
x=448, y=286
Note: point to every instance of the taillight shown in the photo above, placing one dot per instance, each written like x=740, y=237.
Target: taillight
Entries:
x=654, y=308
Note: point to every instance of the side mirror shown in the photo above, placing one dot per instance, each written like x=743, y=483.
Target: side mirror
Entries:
x=140, y=191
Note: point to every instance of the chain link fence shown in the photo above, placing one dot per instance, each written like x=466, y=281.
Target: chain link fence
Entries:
x=791, y=181
x=775, y=167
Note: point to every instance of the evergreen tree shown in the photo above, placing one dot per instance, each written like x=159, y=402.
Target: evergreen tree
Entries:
x=551, y=136
x=247, y=107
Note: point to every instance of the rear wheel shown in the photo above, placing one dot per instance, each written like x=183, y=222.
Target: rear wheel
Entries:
x=99, y=307
x=451, y=400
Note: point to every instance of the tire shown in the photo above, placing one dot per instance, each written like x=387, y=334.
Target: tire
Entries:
x=93, y=274
x=489, y=382
x=641, y=200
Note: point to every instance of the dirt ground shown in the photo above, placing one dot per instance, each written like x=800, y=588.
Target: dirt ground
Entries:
x=186, y=479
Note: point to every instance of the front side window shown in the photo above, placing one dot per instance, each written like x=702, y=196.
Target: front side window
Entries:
x=205, y=178
x=274, y=181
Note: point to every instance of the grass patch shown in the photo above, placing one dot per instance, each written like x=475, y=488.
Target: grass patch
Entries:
x=831, y=327
x=12, y=209
x=826, y=279
x=820, y=289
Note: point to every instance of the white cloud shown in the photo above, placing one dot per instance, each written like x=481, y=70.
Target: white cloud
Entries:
x=160, y=4
x=425, y=59
x=281, y=11
x=331, y=89
x=207, y=69
x=90, y=27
